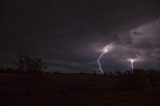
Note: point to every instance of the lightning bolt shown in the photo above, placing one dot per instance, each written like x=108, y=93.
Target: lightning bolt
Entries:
x=132, y=63
x=105, y=50
x=99, y=64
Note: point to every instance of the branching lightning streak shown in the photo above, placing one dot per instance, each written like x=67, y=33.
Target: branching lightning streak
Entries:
x=106, y=49
x=98, y=61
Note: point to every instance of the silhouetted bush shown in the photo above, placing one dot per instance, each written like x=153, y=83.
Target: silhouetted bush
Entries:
x=8, y=70
x=110, y=73
x=119, y=73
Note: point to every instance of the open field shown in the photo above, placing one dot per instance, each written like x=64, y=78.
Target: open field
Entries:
x=20, y=89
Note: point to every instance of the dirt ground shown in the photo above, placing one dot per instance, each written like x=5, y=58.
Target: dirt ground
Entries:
x=74, y=90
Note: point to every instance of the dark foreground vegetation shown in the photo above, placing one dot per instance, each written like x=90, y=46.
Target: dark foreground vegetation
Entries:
x=28, y=85
x=140, y=88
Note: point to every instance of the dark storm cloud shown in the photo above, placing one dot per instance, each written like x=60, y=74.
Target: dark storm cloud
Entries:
x=67, y=33
x=143, y=44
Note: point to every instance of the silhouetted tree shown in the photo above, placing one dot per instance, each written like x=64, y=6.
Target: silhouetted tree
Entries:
x=29, y=64
x=110, y=73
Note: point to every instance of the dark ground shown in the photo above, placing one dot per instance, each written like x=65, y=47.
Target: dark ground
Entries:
x=20, y=89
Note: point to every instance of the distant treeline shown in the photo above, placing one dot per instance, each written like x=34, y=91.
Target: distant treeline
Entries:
x=27, y=64
x=142, y=78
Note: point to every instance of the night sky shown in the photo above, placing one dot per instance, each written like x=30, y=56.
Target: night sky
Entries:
x=69, y=35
